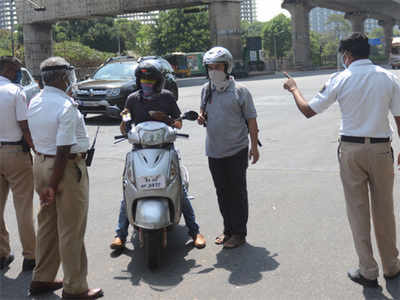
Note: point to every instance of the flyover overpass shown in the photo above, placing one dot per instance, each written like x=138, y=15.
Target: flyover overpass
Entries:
x=224, y=18
x=387, y=12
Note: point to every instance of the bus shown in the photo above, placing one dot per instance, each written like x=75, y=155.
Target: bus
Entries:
x=395, y=53
x=179, y=62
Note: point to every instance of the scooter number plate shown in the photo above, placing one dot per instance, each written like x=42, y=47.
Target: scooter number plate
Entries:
x=151, y=182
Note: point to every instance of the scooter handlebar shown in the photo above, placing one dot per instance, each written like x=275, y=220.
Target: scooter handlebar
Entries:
x=122, y=136
x=184, y=135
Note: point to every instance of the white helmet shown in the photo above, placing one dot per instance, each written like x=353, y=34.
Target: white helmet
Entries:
x=219, y=55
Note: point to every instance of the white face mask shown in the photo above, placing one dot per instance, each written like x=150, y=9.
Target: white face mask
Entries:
x=343, y=61
x=218, y=79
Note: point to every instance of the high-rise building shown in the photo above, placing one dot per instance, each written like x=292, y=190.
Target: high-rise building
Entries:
x=319, y=18
x=8, y=14
x=143, y=17
x=248, y=10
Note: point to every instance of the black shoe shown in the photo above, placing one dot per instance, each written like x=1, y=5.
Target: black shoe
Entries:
x=394, y=276
x=6, y=261
x=28, y=264
x=356, y=276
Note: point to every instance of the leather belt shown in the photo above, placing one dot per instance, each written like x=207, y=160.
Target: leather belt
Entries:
x=10, y=143
x=70, y=156
x=362, y=140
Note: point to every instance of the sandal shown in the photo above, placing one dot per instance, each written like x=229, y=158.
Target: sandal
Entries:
x=222, y=238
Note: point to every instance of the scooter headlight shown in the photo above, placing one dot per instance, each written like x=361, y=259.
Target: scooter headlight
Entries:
x=154, y=137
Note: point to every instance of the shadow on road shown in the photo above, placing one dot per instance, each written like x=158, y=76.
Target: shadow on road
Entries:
x=173, y=262
x=393, y=287
x=246, y=263
x=100, y=120
x=375, y=294
x=17, y=289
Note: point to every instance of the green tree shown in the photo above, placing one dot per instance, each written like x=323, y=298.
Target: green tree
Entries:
x=316, y=48
x=176, y=30
x=277, y=35
x=80, y=55
x=251, y=30
x=143, y=41
x=341, y=27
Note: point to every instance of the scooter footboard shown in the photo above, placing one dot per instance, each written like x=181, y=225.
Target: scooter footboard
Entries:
x=152, y=213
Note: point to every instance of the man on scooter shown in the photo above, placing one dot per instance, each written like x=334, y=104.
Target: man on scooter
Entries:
x=151, y=96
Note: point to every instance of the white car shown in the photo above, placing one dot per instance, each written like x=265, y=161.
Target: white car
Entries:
x=29, y=85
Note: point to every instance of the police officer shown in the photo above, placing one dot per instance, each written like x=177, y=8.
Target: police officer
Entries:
x=228, y=109
x=366, y=94
x=61, y=180
x=15, y=163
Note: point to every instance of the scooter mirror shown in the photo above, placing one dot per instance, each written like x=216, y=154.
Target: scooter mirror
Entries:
x=113, y=112
x=190, y=115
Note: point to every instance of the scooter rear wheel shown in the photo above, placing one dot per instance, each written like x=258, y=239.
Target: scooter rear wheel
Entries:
x=152, y=240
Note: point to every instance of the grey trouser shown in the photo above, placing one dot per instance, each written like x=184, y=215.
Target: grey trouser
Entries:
x=368, y=169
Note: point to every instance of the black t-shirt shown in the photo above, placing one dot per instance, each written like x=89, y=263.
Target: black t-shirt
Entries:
x=140, y=107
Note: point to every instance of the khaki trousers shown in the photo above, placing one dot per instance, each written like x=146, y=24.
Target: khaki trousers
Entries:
x=16, y=173
x=368, y=169
x=62, y=225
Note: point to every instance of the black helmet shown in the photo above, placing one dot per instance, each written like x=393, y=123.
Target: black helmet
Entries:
x=150, y=70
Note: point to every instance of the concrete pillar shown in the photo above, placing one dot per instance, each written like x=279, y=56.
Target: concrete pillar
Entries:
x=387, y=25
x=38, y=45
x=299, y=10
x=357, y=19
x=225, y=26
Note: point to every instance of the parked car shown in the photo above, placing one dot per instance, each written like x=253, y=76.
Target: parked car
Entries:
x=29, y=85
x=113, y=81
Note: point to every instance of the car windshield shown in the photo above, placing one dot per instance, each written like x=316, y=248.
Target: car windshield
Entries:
x=117, y=71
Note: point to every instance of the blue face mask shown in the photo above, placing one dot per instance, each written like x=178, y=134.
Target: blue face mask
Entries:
x=18, y=77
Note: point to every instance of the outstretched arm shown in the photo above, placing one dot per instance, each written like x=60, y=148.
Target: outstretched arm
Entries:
x=301, y=103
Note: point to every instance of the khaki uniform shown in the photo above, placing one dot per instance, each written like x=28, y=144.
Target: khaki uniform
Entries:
x=59, y=239
x=54, y=120
x=366, y=94
x=15, y=169
x=16, y=174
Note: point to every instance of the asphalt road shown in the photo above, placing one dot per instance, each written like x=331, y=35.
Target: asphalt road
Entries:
x=299, y=241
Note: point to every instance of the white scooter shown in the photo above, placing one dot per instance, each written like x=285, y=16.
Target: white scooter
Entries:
x=153, y=183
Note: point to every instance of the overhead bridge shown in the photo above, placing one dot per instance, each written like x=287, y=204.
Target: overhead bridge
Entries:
x=387, y=12
x=224, y=21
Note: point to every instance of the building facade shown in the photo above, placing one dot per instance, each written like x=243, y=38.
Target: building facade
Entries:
x=143, y=17
x=248, y=11
x=8, y=14
x=319, y=18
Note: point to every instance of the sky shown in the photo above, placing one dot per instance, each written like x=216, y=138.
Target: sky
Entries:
x=267, y=9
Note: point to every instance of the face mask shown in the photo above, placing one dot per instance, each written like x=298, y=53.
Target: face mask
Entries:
x=18, y=77
x=147, y=88
x=342, y=60
x=219, y=80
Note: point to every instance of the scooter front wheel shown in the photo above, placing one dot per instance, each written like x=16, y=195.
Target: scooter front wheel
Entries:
x=152, y=240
